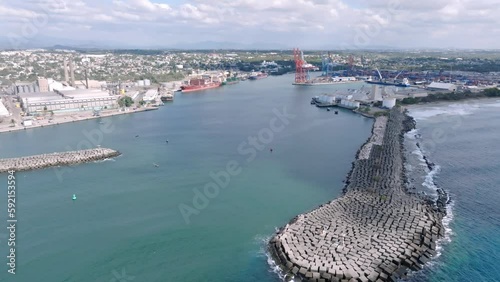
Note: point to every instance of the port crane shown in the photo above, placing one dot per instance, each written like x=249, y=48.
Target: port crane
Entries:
x=301, y=73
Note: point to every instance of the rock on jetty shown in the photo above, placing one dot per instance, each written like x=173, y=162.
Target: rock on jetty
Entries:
x=376, y=231
x=56, y=159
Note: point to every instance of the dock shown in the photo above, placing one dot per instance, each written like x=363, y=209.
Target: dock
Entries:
x=377, y=231
x=56, y=159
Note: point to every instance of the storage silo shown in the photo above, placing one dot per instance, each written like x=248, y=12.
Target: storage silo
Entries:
x=389, y=103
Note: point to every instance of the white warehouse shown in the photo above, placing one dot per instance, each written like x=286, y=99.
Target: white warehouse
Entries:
x=150, y=95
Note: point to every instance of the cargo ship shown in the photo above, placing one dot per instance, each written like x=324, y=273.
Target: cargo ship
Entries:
x=258, y=76
x=199, y=84
x=405, y=83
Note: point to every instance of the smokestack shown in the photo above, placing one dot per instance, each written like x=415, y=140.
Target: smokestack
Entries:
x=72, y=73
x=66, y=79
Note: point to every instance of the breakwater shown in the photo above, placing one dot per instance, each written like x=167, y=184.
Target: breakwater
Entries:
x=377, y=231
x=56, y=159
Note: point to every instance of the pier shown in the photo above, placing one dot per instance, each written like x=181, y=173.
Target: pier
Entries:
x=56, y=159
x=377, y=231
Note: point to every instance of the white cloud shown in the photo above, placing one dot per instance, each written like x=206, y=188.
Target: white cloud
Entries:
x=396, y=22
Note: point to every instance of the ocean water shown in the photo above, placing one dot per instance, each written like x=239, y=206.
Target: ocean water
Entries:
x=126, y=224
x=462, y=141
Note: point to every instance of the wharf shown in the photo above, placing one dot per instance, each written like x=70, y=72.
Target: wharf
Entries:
x=377, y=231
x=56, y=159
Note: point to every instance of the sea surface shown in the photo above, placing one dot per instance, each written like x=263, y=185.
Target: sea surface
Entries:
x=462, y=143
x=127, y=225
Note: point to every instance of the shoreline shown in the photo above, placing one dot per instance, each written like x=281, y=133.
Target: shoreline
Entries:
x=74, y=119
x=334, y=241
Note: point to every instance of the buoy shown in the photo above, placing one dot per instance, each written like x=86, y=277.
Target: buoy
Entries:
x=74, y=197
x=166, y=141
x=271, y=150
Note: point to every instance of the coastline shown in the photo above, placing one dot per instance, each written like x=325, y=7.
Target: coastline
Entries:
x=312, y=246
x=74, y=119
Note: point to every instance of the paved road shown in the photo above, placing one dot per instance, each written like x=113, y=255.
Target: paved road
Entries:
x=8, y=102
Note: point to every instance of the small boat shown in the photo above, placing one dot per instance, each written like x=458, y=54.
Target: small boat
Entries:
x=328, y=109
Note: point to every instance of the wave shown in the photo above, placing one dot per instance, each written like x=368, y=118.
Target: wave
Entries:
x=412, y=134
x=433, y=111
x=429, y=179
x=105, y=160
x=274, y=267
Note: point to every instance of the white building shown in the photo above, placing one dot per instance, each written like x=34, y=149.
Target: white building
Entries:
x=442, y=86
x=3, y=110
x=349, y=104
x=150, y=95
x=67, y=101
x=389, y=103
x=58, y=86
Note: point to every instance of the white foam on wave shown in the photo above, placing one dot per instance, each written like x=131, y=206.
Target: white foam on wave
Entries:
x=411, y=135
x=433, y=111
x=448, y=232
x=417, y=152
x=496, y=105
x=105, y=160
x=263, y=241
x=429, y=179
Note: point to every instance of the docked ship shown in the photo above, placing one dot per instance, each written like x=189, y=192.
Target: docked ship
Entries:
x=199, y=84
x=168, y=97
x=260, y=75
x=231, y=80
x=404, y=83
x=327, y=81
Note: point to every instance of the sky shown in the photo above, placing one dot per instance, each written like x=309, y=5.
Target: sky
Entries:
x=307, y=24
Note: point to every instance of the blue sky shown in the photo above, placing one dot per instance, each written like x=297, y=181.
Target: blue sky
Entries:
x=303, y=23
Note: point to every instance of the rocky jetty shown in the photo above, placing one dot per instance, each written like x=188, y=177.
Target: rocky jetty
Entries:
x=377, y=231
x=56, y=159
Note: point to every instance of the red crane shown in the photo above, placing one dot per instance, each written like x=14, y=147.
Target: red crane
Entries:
x=300, y=72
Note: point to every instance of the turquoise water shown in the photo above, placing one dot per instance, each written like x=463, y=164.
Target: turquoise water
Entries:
x=126, y=219
x=462, y=139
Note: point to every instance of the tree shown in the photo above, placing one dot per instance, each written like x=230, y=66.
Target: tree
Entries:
x=125, y=101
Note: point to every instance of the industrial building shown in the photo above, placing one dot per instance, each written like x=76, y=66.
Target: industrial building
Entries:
x=150, y=95
x=389, y=102
x=43, y=84
x=67, y=101
x=3, y=111
x=442, y=86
